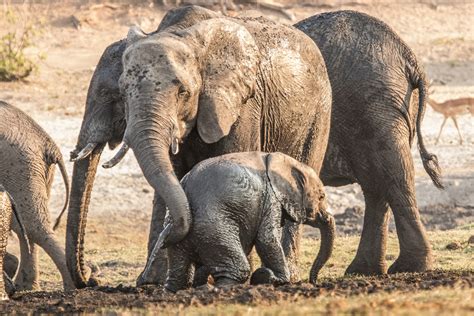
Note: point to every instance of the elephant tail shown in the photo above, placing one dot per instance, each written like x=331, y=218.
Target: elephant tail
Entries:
x=430, y=161
x=22, y=235
x=62, y=168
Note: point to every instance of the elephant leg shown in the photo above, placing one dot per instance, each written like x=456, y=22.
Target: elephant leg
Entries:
x=27, y=277
x=370, y=257
x=157, y=273
x=291, y=240
x=181, y=271
x=225, y=258
x=415, y=250
x=10, y=264
x=47, y=240
x=275, y=270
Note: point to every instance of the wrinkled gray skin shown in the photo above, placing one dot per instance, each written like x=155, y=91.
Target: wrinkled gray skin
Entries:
x=223, y=85
x=27, y=163
x=373, y=75
x=239, y=201
x=8, y=212
x=376, y=88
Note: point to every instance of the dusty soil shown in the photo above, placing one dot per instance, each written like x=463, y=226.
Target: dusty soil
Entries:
x=104, y=298
x=74, y=37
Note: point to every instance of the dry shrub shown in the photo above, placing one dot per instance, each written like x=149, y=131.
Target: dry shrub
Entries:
x=20, y=35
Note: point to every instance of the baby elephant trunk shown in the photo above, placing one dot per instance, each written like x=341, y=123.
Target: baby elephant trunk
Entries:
x=327, y=227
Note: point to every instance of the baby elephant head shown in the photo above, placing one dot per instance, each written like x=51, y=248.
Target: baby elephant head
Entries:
x=301, y=194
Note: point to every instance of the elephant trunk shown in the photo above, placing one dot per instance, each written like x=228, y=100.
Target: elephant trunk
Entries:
x=150, y=139
x=327, y=227
x=82, y=181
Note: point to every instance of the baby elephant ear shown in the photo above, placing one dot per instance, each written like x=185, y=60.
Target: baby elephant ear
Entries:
x=287, y=182
x=135, y=33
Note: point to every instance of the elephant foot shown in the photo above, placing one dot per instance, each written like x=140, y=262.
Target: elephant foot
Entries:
x=411, y=264
x=225, y=282
x=262, y=276
x=364, y=267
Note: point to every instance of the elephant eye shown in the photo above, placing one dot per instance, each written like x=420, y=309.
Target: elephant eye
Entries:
x=182, y=92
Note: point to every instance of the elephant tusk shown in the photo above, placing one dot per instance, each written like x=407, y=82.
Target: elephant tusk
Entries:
x=85, y=152
x=158, y=245
x=118, y=157
x=175, y=146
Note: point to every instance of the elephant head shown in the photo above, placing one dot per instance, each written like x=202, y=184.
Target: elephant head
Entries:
x=104, y=122
x=199, y=78
x=301, y=194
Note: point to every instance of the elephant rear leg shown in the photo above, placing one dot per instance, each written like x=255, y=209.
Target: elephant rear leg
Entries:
x=47, y=240
x=225, y=259
x=181, y=270
x=415, y=250
x=370, y=257
x=27, y=277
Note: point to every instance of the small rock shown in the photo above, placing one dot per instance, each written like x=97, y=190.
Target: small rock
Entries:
x=471, y=240
x=454, y=245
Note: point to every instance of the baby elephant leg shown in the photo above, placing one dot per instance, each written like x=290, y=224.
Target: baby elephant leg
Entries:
x=275, y=270
x=180, y=269
x=227, y=263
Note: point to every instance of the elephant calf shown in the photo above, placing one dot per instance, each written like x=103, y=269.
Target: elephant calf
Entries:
x=240, y=200
x=7, y=208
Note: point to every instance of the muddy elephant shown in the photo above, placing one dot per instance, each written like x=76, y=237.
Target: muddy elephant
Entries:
x=8, y=213
x=374, y=108
x=374, y=119
x=239, y=201
x=27, y=163
x=219, y=86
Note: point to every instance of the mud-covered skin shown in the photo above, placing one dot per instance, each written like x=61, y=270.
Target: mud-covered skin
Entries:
x=27, y=164
x=373, y=74
x=103, y=123
x=255, y=128
x=239, y=201
x=8, y=211
x=221, y=86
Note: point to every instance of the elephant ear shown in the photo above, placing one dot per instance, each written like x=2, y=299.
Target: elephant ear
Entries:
x=229, y=57
x=287, y=181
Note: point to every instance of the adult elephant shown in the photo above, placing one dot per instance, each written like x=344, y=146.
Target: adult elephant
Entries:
x=202, y=89
x=373, y=75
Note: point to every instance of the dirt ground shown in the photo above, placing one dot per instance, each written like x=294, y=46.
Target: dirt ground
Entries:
x=73, y=38
x=116, y=299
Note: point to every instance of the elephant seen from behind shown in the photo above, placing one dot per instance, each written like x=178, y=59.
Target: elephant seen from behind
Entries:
x=28, y=157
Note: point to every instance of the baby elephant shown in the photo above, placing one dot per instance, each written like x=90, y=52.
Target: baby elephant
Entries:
x=7, y=208
x=239, y=201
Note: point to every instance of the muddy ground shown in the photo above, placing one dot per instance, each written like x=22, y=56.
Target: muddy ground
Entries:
x=151, y=297
x=74, y=35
